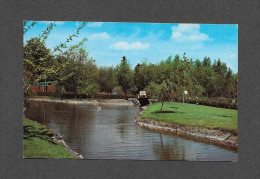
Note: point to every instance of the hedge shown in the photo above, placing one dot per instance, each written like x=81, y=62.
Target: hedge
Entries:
x=215, y=102
x=69, y=95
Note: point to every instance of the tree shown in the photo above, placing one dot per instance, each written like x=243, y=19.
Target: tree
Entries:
x=144, y=74
x=108, y=79
x=27, y=26
x=206, y=62
x=38, y=62
x=162, y=91
x=235, y=85
x=63, y=45
x=124, y=75
x=228, y=83
x=181, y=77
x=165, y=93
x=220, y=69
x=198, y=75
x=208, y=81
x=77, y=71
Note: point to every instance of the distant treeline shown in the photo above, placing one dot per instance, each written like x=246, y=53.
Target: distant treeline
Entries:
x=207, y=82
x=76, y=72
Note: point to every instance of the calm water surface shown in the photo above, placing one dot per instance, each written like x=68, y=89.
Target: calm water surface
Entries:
x=110, y=133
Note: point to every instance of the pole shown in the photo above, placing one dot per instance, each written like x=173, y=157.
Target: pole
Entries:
x=183, y=101
x=45, y=86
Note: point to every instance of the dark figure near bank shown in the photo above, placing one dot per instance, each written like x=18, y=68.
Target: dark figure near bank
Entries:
x=142, y=98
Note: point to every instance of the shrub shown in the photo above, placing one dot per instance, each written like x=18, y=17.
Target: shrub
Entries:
x=70, y=95
x=92, y=90
x=118, y=90
x=215, y=102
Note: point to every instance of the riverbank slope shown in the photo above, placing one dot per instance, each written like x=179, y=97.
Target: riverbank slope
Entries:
x=210, y=123
x=102, y=102
x=40, y=142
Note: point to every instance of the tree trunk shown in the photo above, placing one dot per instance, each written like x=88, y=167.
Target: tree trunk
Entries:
x=162, y=106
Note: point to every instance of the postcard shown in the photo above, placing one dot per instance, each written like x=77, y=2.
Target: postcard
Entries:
x=130, y=91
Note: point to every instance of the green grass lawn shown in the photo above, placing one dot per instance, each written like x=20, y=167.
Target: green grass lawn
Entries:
x=193, y=115
x=37, y=142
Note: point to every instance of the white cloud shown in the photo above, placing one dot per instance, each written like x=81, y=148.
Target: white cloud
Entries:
x=59, y=22
x=77, y=24
x=232, y=56
x=130, y=46
x=56, y=22
x=94, y=24
x=188, y=33
x=99, y=36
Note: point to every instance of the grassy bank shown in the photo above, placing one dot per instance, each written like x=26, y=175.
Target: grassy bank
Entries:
x=38, y=142
x=193, y=115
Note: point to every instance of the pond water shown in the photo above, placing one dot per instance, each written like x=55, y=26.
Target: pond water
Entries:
x=108, y=132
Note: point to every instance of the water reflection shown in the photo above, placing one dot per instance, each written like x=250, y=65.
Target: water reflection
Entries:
x=122, y=123
x=110, y=133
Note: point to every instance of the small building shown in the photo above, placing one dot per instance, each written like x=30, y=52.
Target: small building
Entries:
x=44, y=86
x=142, y=94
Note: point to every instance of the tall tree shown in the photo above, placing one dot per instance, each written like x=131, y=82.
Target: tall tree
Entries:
x=78, y=70
x=108, y=79
x=220, y=69
x=144, y=74
x=38, y=62
x=124, y=75
x=206, y=62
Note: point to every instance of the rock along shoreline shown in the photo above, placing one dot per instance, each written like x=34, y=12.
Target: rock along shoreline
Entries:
x=105, y=102
x=213, y=136
x=58, y=138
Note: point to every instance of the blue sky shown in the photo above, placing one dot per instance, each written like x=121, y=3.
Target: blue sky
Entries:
x=108, y=41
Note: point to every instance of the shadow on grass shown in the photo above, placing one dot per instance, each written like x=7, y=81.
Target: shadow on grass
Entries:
x=174, y=107
x=223, y=115
x=31, y=132
x=156, y=112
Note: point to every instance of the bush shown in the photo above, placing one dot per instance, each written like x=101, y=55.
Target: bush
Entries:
x=113, y=96
x=92, y=89
x=70, y=95
x=215, y=102
x=118, y=90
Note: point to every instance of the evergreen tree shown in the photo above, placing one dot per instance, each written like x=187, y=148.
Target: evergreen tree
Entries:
x=124, y=75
